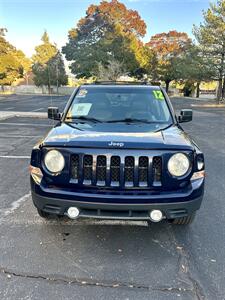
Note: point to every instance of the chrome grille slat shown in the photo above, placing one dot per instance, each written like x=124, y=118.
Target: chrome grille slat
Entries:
x=94, y=180
x=122, y=164
x=136, y=171
x=150, y=171
x=108, y=180
x=106, y=170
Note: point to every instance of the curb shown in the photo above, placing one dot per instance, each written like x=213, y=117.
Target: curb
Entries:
x=209, y=105
x=5, y=96
x=192, y=98
x=42, y=95
x=6, y=115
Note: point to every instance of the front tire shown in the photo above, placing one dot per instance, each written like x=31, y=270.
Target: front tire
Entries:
x=43, y=214
x=184, y=220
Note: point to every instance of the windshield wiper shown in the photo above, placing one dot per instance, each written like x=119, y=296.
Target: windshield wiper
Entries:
x=166, y=127
x=131, y=120
x=83, y=118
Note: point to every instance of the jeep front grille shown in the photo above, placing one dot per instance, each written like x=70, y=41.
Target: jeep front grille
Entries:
x=116, y=171
x=87, y=168
x=101, y=170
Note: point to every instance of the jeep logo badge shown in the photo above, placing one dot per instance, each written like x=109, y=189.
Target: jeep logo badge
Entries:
x=114, y=144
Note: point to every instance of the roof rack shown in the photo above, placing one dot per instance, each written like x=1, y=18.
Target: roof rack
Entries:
x=108, y=82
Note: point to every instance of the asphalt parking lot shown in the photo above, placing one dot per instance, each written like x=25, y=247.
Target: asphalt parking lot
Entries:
x=105, y=260
x=31, y=103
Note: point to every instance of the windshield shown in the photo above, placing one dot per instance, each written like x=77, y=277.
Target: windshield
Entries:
x=119, y=104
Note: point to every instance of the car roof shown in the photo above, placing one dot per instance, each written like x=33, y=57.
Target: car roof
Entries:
x=139, y=86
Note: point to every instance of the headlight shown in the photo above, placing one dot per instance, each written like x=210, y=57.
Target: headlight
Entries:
x=54, y=161
x=178, y=164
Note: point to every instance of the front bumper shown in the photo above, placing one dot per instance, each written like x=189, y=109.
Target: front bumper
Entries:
x=173, y=205
x=116, y=211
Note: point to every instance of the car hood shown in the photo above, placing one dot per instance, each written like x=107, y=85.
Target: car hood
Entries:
x=65, y=135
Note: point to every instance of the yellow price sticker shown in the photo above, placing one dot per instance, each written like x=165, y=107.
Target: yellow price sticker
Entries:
x=158, y=95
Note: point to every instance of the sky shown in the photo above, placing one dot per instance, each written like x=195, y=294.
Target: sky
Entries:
x=26, y=20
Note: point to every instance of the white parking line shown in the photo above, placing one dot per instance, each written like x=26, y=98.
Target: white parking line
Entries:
x=14, y=156
x=20, y=136
x=25, y=124
x=9, y=108
x=34, y=219
x=14, y=205
x=38, y=109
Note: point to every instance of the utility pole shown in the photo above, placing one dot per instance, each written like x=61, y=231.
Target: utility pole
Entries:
x=57, y=76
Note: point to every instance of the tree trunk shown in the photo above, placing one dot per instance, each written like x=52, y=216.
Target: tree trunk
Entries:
x=219, y=90
x=220, y=84
x=57, y=76
x=223, y=89
x=49, y=89
x=198, y=89
x=167, y=85
x=27, y=79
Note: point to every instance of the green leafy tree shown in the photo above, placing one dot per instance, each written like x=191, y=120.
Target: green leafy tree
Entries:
x=25, y=65
x=57, y=71
x=48, y=66
x=109, y=31
x=211, y=38
x=45, y=51
x=194, y=68
x=10, y=67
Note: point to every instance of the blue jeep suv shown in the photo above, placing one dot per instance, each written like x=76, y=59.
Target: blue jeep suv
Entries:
x=118, y=152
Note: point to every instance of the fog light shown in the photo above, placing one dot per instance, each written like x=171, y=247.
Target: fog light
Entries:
x=156, y=215
x=200, y=164
x=73, y=212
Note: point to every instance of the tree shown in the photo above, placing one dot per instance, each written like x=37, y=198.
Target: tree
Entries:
x=112, y=71
x=10, y=67
x=129, y=20
x=45, y=51
x=194, y=68
x=57, y=71
x=48, y=67
x=146, y=59
x=25, y=64
x=109, y=31
x=211, y=38
x=168, y=47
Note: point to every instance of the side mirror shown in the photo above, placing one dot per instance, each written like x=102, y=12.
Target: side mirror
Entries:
x=185, y=115
x=53, y=113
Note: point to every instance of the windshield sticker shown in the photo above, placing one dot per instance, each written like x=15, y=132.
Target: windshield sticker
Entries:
x=158, y=95
x=82, y=93
x=81, y=109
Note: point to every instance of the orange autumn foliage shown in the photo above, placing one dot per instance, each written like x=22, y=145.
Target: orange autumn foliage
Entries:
x=167, y=44
x=115, y=11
